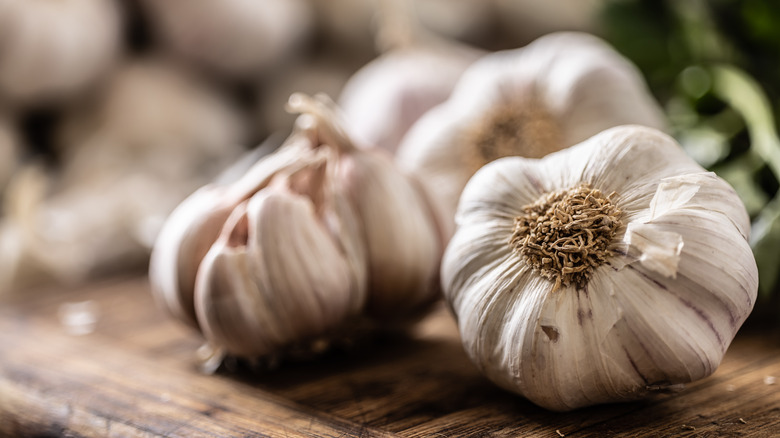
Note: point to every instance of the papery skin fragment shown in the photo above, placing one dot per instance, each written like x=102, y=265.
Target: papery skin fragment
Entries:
x=633, y=327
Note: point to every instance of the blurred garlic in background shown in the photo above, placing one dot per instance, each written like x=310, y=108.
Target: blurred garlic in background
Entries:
x=553, y=93
x=240, y=38
x=54, y=49
x=470, y=21
x=314, y=237
x=417, y=71
x=348, y=26
x=316, y=74
x=522, y=21
x=9, y=151
x=154, y=136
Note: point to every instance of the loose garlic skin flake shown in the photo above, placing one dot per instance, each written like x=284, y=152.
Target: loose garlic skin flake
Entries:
x=673, y=286
x=553, y=93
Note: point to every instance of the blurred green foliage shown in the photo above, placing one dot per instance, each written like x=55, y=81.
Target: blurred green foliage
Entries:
x=715, y=66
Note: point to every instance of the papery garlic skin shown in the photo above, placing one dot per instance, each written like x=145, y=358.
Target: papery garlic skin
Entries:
x=312, y=239
x=402, y=237
x=278, y=275
x=662, y=310
x=55, y=49
x=383, y=99
x=240, y=38
x=563, y=88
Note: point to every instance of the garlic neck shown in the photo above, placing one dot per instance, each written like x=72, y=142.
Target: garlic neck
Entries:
x=566, y=234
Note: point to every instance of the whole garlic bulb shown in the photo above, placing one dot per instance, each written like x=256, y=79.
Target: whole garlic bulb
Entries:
x=601, y=272
x=383, y=99
x=553, y=93
x=53, y=49
x=235, y=37
x=314, y=237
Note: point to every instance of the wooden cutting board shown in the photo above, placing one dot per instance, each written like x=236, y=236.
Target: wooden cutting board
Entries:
x=136, y=374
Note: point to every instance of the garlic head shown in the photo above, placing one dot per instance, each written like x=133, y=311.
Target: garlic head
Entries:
x=314, y=239
x=601, y=272
x=553, y=93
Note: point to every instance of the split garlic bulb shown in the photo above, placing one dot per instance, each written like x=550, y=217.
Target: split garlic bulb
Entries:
x=53, y=49
x=601, y=272
x=553, y=93
x=235, y=37
x=313, y=238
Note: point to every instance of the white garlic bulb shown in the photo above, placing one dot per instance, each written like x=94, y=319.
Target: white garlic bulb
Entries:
x=235, y=37
x=553, y=93
x=53, y=49
x=314, y=237
x=416, y=72
x=383, y=99
x=601, y=272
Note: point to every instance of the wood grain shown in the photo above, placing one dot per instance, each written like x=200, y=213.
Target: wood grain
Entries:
x=137, y=375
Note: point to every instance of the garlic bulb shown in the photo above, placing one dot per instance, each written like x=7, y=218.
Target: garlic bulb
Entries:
x=416, y=72
x=53, y=49
x=601, y=272
x=383, y=99
x=553, y=93
x=314, y=237
x=235, y=37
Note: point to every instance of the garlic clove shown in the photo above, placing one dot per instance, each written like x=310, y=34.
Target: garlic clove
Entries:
x=403, y=242
x=193, y=227
x=276, y=276
x=184, y=240
x=675, y=279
